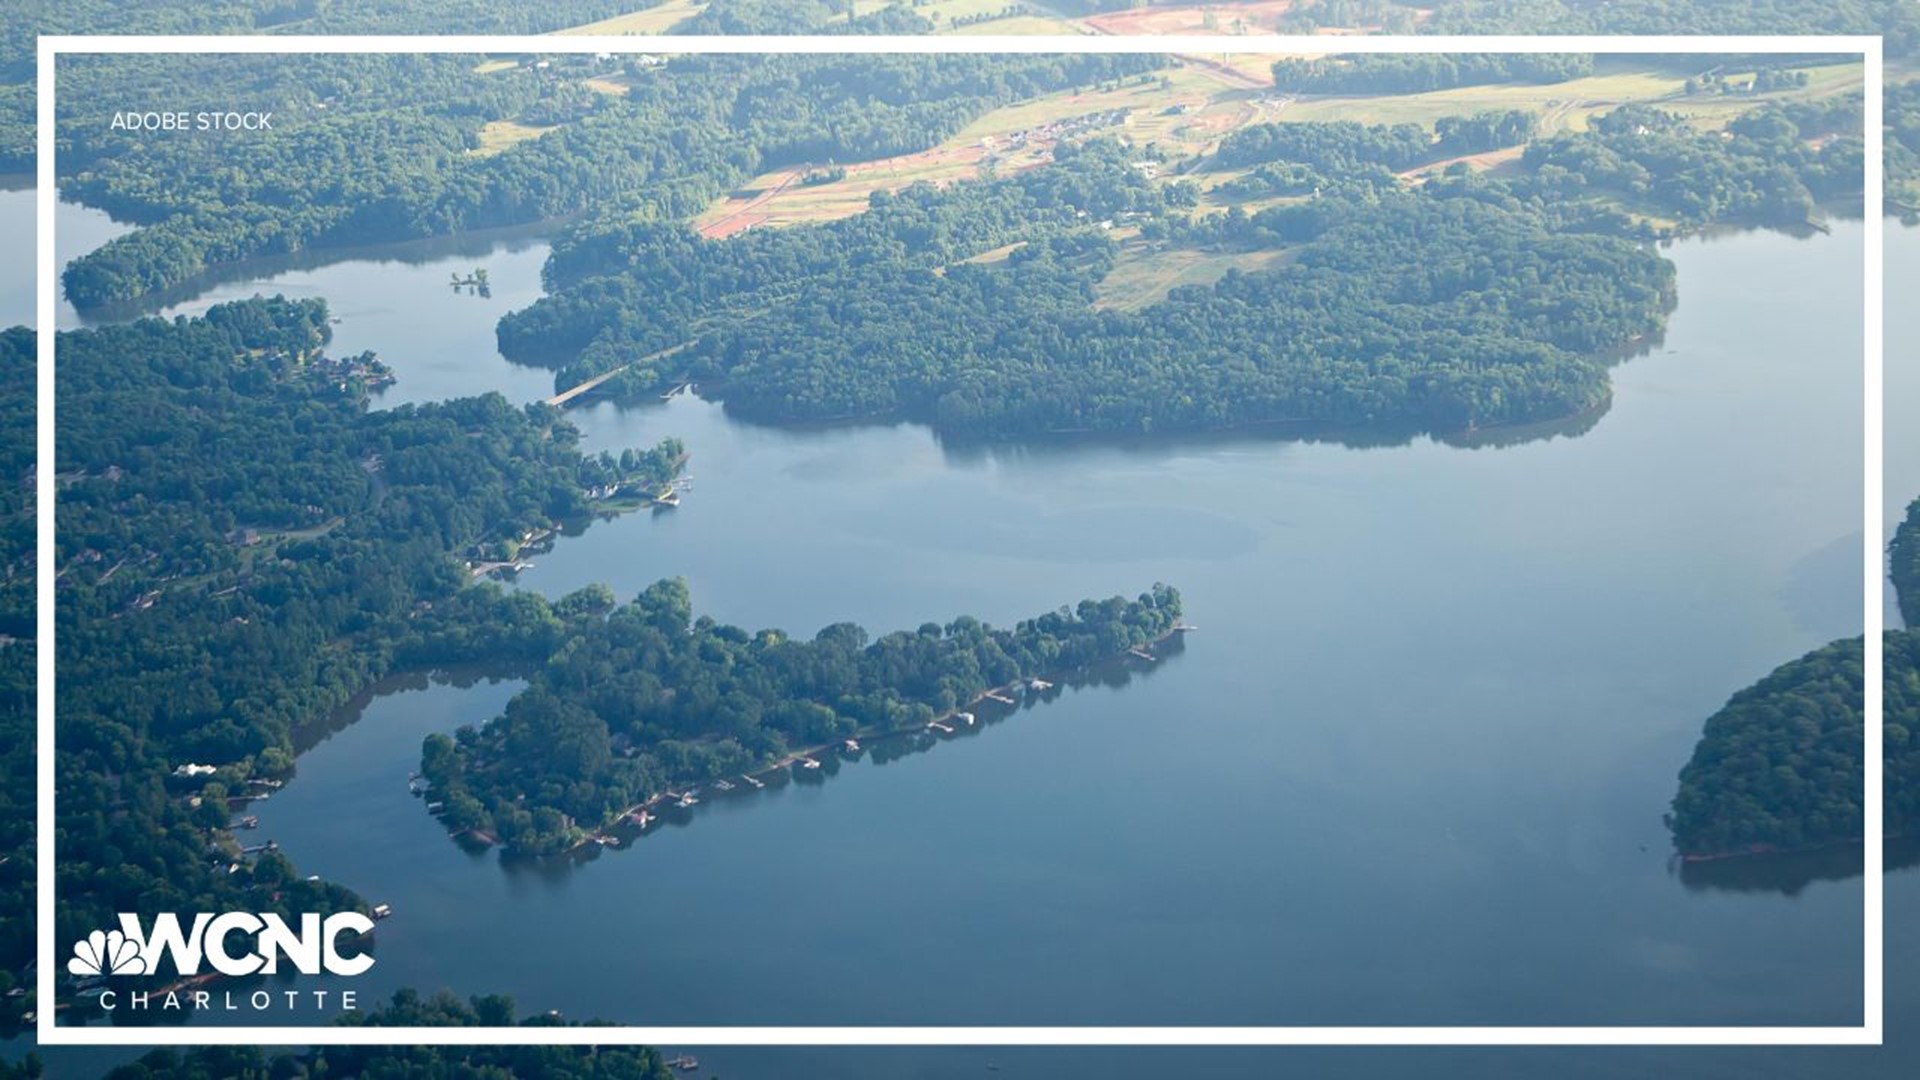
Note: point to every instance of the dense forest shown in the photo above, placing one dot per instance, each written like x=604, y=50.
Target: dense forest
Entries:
x=1285, y=159
x=1779, y=767
x=1394, y=307
x=1416, y=73
x=620, y=290
x=1903, y=557
x=17, y=674
x=649, y=698
x=244, y=545
x=1770, y=167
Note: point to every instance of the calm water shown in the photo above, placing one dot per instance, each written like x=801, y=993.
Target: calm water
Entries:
x=1405, y=772
x=1410, y=770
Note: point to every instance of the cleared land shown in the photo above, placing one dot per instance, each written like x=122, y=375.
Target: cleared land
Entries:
x=657, y=19
x=497, y=135
x=1187, y=110
x=1144, y=273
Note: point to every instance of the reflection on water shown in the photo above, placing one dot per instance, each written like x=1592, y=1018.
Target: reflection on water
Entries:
x=187, y=296
x=1789, y=873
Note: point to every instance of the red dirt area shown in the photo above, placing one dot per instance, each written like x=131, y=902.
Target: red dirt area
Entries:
x=1257, y=15
x=745, y=216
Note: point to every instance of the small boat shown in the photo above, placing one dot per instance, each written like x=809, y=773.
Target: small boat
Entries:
x=722, y=785
x=250, y=822
x=852, y=745
x=687, y=800
x=381, y=911
x=809, y=763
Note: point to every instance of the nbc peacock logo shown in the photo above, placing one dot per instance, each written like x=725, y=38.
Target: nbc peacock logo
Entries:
x=106, y=952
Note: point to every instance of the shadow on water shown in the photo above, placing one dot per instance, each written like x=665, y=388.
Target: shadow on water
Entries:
x=1111, y=673
x=1789, y=873
x=464, y=676
x=476, y=244
x=977, y=449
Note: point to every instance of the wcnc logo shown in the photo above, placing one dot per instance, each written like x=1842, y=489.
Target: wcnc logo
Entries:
x=313, y=950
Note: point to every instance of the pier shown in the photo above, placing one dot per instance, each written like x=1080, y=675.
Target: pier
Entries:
x=560, y=399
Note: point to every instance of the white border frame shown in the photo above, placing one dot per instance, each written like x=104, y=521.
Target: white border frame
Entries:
x=1869, y=1033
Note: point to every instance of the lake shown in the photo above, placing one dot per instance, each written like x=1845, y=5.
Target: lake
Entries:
x=1410, y=770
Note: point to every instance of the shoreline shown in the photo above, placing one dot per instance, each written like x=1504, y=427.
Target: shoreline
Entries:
x=605, y=833
x=1762, y=853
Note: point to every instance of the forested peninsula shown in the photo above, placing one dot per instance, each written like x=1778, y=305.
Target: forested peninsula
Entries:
x=648, y=698
x=1779, y=768
x=244, y=545
x=1465, y=301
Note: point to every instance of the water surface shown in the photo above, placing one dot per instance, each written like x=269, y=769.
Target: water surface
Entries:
x=1410, y=770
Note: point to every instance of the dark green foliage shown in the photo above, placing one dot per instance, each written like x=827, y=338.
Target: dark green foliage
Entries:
x=1780, y=766
x=650, y=698
x=622, y=290
x=242, y=547
x=1762, y=171
x=17, y=653
x=1397, y=309
x=1402, y=312
x=1412, y=73
x=1300, y=158
x=1903, y=557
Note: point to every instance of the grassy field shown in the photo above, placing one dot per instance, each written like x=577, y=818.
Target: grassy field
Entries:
x=497, y=135
x=1145, y=273
x=656, y=19
x=1568, y=105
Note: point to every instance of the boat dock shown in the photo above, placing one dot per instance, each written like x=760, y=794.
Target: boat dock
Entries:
x=936, y=725
x=995, y=695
